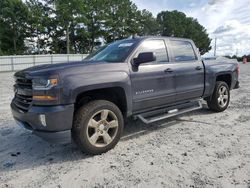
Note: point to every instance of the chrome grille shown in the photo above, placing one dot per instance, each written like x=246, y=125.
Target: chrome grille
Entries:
x=23, y=93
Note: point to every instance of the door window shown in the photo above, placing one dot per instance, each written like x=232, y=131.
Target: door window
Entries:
x=182, y=51
x=156, y=46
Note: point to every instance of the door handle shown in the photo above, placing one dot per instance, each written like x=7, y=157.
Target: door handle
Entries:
x=198, y=68
x=168, y=70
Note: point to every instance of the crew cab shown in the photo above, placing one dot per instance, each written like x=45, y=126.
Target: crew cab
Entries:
x=151, y=78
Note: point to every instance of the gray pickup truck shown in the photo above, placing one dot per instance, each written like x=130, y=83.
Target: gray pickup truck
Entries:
x=150, y=78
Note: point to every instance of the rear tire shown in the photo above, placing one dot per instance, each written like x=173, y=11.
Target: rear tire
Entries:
x=97, y=126
x=219, y=101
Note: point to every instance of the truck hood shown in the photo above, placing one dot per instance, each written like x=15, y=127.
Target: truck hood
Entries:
x=64, y=68
x=52, y=67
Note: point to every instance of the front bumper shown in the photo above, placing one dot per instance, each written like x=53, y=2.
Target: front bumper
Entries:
x=58, y=120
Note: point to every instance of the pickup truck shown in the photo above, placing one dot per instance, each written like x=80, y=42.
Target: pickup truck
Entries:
x=150, y=78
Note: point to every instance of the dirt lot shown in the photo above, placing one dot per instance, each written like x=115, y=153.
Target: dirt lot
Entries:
x=199, y=149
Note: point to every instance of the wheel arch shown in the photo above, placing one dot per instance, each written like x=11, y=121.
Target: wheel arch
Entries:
x=227, y=77
x=115, y=94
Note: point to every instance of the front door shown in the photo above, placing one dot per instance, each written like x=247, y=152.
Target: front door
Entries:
x=153, y=82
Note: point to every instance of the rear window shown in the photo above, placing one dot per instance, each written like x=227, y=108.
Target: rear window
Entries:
x=182, y=50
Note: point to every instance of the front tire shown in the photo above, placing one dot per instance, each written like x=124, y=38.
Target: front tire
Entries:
x=219, y=101
x=97, y=126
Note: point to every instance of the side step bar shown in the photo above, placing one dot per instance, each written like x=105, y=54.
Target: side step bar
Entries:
x=160, y=114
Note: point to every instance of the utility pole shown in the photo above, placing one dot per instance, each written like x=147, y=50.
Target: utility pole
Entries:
x=215, y=43
x=67, y=39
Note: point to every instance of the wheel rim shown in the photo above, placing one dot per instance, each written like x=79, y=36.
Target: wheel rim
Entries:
x=102, y=128
x=223, y=96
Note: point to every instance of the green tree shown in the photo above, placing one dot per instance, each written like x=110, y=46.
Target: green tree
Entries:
x=13, y=20
x=68, y=13
x=175, y=23
x=122, y=20
x=78, y=26
x=148, y=24
x=6, y=44
x=93, y=27
x=39, y=23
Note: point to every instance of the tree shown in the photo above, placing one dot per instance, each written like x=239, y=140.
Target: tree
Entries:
x=39, y=22
x=148, y=24
x=6, y=44
x=93, y=26
x=122, y=20
x=79, y=26
x=175, y=23
x=67, y=16
x=13, y=20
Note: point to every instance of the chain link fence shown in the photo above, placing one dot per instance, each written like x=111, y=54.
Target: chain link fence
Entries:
x=19, y=62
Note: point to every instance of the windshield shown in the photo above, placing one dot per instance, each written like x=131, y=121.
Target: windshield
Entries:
x=114, y=52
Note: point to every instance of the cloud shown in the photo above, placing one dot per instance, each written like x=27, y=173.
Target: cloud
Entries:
x=192, y=4
x=222, y=29
x=213, y=2
x=227, y=20
x=233, y=37
x=213, y=13
x=229, y=26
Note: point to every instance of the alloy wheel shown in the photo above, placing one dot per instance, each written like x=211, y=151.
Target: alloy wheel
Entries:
x=102, y=128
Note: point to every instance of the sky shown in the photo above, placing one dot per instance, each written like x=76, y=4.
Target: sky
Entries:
x=226, y=20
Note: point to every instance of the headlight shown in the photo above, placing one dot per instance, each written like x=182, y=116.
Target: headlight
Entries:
x=44, y=84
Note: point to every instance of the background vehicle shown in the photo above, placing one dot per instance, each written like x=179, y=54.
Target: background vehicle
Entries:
x=152, y=78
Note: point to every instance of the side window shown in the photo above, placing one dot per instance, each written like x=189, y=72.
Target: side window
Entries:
x=182, y=50
x=156, y=46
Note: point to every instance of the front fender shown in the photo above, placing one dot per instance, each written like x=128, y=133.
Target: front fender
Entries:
x=80, y=83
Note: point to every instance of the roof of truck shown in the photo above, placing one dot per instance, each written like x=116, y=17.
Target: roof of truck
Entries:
x=159, y=37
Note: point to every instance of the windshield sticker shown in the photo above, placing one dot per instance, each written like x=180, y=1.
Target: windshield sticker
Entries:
x=125, y=45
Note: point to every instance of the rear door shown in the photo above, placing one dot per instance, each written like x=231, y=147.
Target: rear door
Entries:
x=189, y=70
x=153, y=82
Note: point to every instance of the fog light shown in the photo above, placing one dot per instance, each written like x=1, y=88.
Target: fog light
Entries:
x=42, y=118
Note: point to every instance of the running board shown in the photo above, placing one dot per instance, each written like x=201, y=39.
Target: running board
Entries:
x=161, y=114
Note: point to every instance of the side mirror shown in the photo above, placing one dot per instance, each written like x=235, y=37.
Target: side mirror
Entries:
x=144, y=57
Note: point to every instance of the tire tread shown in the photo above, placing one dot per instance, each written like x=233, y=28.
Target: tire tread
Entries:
x=80, y=117
x=213, y=102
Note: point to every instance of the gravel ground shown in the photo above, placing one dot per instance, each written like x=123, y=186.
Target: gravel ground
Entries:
x=198, y=149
